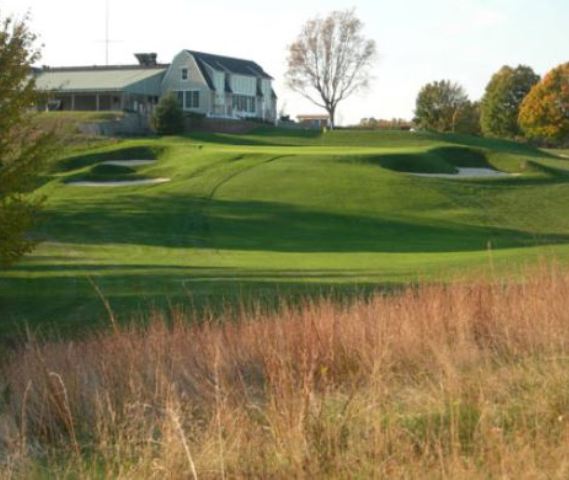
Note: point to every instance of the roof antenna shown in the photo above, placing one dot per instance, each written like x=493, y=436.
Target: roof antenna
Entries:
x=107, y=41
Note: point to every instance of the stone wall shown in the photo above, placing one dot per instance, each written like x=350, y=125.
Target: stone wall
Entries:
x=221, y=125
x=129, y=124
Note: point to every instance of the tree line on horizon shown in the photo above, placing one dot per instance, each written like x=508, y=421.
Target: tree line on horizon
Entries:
x=331, y=59
x=517, y=104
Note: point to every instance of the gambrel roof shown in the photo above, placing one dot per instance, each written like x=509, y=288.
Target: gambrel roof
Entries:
x=221, y=63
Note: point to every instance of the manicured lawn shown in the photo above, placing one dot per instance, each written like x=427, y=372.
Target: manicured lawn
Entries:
x=280, y=213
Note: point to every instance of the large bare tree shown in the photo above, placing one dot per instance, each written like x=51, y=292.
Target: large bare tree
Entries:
x=330, y=60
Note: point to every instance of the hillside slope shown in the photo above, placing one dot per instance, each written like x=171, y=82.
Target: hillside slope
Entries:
x=280, y=213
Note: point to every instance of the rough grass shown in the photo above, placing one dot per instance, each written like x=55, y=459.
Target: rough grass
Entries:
x=73, y=119
x=66, y=126
x=460, y=381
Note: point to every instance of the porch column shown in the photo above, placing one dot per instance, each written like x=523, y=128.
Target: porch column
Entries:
x=72, y=102
x=97, y=102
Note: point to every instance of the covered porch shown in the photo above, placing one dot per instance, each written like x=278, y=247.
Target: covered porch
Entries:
x=131, y=88
x=101, y=101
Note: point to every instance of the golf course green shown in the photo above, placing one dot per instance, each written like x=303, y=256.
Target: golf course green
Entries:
x=278, y=214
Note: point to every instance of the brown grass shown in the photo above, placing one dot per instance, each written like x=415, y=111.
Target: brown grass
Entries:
x=462, y=381
x=65, y=126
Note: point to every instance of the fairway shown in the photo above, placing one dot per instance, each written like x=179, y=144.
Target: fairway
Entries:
x=279, y=213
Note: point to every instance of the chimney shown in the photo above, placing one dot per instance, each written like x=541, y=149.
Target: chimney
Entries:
x=147, y=59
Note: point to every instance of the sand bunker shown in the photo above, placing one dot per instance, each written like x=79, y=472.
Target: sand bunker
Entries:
x=121, y=183
x=469, y=173
x=128, y=163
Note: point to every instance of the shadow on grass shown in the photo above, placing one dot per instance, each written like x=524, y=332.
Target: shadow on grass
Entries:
x=176, y=221
x=66, y=303
x=278, y=137
x=85, y=160
x=496, y=144
x=442, y=160
x=259, y=137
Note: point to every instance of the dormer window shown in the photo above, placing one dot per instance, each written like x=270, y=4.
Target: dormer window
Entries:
x=184, y=73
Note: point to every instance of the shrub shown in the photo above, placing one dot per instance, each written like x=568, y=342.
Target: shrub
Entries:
x=168, y=118
x=262, y=121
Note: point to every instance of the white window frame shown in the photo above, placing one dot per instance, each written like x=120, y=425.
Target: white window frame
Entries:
x=245, y=104
x=185, y=74
x=183, y=95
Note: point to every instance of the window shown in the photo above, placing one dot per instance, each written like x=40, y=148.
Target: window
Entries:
x=184, y=73
x=243, y=103
x=192, y=99
x=188, y=99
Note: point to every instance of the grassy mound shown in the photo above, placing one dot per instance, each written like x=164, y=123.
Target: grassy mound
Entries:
x=76, y=162
x=111, y=170
x=440, y=160
x=251, y=218
x=415, y=163
x=106, y=173
x=462, y=157
x=91, y=167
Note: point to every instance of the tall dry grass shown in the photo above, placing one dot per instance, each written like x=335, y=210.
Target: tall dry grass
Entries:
x=460, y=381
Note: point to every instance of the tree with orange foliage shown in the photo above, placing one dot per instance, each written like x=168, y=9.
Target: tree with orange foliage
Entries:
x=544, y=114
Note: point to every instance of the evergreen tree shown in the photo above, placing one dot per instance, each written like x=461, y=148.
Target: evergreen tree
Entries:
x=23, y=148
x=168, y=118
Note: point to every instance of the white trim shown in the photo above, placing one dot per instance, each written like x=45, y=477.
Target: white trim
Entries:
x=198, y=69
x=171, y=67
x=185, y=95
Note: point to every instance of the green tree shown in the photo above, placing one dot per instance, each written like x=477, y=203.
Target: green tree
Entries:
x=544, y=114
x=501, y=103
x=468, y=119
x=439, y=105
x=24, y=150
x=168, y=118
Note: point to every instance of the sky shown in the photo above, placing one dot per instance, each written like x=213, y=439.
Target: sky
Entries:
x=418, y=41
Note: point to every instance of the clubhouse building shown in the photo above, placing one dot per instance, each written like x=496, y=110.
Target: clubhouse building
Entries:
x=212, y=85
